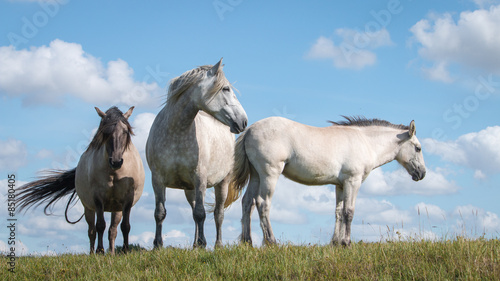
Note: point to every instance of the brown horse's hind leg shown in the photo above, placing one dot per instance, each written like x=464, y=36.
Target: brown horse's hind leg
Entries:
x=90, y=218
x=113, y=229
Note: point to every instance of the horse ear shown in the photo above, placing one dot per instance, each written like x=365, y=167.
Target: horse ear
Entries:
x=128, y=113
x=101, y=114
x=216, y=68
x=412, y=130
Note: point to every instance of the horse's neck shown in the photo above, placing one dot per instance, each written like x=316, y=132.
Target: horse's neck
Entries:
x=385, y=144
x=181, y=113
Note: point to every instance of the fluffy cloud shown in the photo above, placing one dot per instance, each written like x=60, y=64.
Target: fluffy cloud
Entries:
x=473, y=41
x=46, y=74
x=354, y=51
x=478, y=151
x=398, y=182
x=12, y=155
x=471, y=220
x=141, y=125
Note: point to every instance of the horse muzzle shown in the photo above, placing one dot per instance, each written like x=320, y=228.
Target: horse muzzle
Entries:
x=115, y=165
x=238, y=127
x=418, y=175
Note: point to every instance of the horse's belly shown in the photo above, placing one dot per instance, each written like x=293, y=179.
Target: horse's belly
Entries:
x=310, y=174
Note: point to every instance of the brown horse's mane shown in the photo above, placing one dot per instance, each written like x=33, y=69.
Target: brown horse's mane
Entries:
x=107, y=126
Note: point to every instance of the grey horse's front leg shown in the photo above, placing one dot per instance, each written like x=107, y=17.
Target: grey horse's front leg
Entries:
x=196, y=199
x=160, y=212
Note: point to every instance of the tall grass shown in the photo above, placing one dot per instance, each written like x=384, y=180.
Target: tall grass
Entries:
x=459, y=258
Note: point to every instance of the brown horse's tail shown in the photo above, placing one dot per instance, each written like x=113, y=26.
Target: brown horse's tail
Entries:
x=51, y=188
x=241, y=171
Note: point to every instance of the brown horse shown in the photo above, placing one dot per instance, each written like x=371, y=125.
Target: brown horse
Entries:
x=109, y=178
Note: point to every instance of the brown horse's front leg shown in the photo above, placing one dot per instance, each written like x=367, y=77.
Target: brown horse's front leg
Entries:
x=113, y=229
x=90, y=218
x=100, y=227
x=125, y=226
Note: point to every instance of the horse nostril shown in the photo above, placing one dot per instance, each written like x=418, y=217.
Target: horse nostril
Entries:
x=115, y=164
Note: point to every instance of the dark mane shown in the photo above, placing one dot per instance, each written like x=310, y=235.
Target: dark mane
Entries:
x=107, y=126
x=362, y=121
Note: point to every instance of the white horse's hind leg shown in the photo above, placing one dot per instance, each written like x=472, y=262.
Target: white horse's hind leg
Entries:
x=351, y=188
x=160, y=212
x=220, y=198
x=248, y=204
x=339, y=232
x=113, y=230
x=266, y=190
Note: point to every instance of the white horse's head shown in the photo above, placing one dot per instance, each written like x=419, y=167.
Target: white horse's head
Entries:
x=219, y=100
x=410, y=154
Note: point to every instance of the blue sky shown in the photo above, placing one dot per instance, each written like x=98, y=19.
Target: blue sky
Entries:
x=435, y=62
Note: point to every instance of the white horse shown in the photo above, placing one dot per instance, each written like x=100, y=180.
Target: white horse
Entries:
x=109, y=178
x=191, y=144
x=343, y=154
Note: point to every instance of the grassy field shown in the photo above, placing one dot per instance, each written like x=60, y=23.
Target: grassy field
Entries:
x=460, y=258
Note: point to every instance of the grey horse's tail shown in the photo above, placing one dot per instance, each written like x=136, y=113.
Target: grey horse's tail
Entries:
x=241, y=171
x=51, y=188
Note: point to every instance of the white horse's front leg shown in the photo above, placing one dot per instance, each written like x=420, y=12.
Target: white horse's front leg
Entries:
x=339, y=232
x=351, y=188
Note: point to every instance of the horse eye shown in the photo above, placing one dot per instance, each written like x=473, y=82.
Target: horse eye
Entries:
x=226, y=89
x=418, y=149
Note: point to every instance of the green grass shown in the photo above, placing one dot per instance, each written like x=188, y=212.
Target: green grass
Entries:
x=462, y=259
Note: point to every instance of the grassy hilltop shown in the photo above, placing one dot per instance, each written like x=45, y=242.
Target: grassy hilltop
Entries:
x=459, y=258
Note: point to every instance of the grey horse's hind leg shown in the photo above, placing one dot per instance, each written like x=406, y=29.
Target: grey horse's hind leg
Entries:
x=248, y=204
x=160, y=212
x=220, y=198
x=113, y=229
x=90, y=218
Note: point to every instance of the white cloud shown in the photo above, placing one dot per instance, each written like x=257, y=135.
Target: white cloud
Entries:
x=354, y=50
x=12, y=155
x=46, y=74
x=472, y=220
x=438, y=72
x=485, y=3
x=478, y=150
x=431, y=211
x=141, y=126
x=398, y=182
x=473, y=41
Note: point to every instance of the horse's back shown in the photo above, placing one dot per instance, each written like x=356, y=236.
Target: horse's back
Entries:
x=306, y=154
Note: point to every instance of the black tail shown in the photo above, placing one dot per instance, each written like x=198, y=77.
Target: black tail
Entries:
x=51, y=188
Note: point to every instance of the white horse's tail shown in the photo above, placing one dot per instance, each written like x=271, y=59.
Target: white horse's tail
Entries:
x=241, y=171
